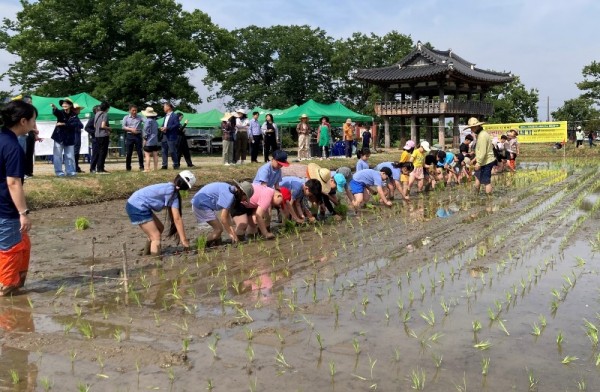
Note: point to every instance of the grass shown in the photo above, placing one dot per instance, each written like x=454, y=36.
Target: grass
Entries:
x=82, y=223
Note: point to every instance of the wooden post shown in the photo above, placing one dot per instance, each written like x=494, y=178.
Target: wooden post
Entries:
x=125, y=281
x=386, y=128
x=442, y=120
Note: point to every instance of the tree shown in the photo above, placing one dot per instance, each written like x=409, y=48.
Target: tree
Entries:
x=365, y=51
x=513, y=103
x=591, y=81
x=274, y=67
x=579, y=111
x=122, y=51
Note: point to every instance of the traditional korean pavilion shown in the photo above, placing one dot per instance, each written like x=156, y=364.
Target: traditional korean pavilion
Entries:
x=429, y=84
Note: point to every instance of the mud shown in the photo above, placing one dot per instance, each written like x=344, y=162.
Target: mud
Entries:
x=376, y=301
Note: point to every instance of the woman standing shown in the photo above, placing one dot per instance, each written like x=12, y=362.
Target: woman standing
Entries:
x=228, y=132
x=150, y=136
x=64, y=138
x=143, y=204
x=324, y=136
x=18, y=118
x=303, y=131
x=271, y=135
x=241, y=137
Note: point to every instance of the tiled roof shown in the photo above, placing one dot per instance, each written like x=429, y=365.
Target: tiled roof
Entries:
x=425, y=63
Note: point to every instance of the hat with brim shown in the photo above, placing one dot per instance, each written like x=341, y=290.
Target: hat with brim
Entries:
x=409, y=144
x=474, y=122
x=226, y=116
x=304, y=116
x=348, y=121
x=425, y=145
x=287, y=195
x=66, y=100
x=321, y=174
x=149, y=112
x=241, y=111
x=281, y=157
x=246, y=187
x=235, y=114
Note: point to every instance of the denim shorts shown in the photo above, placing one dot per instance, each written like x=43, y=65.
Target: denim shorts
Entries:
x=138, y=216
x=356, y=187
x=10, y=233
x=484, y=174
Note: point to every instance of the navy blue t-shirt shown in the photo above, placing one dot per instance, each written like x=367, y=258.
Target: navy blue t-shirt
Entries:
x=12, y=159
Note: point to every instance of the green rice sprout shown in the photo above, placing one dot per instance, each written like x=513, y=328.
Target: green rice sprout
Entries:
x=86, y=329
x=437, y=360
x=280, y=359
x=418, y=378
x=320, y=341
x=201, y=243
x=485, y=365
x=503, y=327
x=532, y=380
x=536, y=330
x=213, y=346
x=14, y=375
x=82, y=223
x=559, y=338
x=483, y=345
x=356, y=346
x=332, y=369
x=591, y=331
x=568, y=359
x=476, y=326
x=429, y=317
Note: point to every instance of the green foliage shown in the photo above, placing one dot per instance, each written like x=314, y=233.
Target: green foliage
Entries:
x=591, y=81
x=201, y=243
x=579, y=110
x=341, y=209
x=126, y=51
x=82, y=223
x=513, y=103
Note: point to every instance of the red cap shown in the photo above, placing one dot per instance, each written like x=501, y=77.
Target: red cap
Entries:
x=287, y=195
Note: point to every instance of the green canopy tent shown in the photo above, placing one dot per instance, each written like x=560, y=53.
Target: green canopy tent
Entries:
x=336, y=112
x=210, y=119
x=276, y=113
x=44, y=107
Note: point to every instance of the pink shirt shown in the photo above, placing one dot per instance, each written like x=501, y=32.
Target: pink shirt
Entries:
x=262, y=197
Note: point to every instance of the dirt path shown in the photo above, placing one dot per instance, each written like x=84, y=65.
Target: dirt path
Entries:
x=368, y=302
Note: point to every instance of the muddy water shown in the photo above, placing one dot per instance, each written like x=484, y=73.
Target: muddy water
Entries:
x=361, y=304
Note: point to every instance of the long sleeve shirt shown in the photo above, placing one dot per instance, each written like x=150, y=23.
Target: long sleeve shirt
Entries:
x=265, y=129
x=484, y=152
x=254, y=128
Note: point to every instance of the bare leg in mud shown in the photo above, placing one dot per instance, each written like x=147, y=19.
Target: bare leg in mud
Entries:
x=153, y=230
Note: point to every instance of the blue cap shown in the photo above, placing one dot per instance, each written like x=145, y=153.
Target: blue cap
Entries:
x=340, y=181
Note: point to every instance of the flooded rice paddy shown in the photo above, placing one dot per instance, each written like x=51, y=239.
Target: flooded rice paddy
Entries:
x=453, y=291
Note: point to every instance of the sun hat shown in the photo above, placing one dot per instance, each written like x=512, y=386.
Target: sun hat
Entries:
x=409, y=144
x=240, y=111
x=77, y=107
x=474, y=122
x=303, y=116
x=346, y=172
x=281, y=157
x=425, y=145
x=348, y=121
x=387, y=171
x=67, y=100
x=287, y=195
x=320, y=174
x=226, y=116
x=340, y=181
x=246, y=187
x=188, y=177
x=149, y=112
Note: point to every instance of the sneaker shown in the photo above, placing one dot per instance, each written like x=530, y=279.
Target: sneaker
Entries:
x=226, y=164
x=191, y=165
x=102, y=172
x=163, y=168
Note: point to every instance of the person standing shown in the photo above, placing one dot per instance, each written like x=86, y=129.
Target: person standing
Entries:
x=579, y=136
x=484, y=156
x=102, y=133
x=170, y=130
x=255, y=137
x=348, y=137
x=64, y=139
x=132, y=125
x=324, y=137
x=241, y=137
x=303, y=131
x=228, y=132
x=18, y=118
x=366, y=138
x=591, y=138
x=78, y=127
x=150, y=134
x=91, y=130
x=513, y=149
x=271, y=133
x=182, y=143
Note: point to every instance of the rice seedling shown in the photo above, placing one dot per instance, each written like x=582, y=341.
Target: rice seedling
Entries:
x=429, y=317
x=437, y=360
x=250, y=353
x=320, y=341
x=485, y=365
x=592, y=332
x=568, y=359
x=533, y=381
x=14, y=376
x=332, y=370
x=81, y=387
x=46, y=383
x=213, y=346
x=581, y=386
x=356, y=346
x=476, y=326
x=280, y=359
x=444, y=306
x=418, y=378
x=86, y=329
x=82, y=223
x=503, y=327
x=209, y=384
x=483, y=345
x=559, y=338
x=536, y=330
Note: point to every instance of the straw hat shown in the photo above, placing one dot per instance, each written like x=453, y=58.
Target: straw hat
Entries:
x=149, y=112
x=303, y=116
x=321, y=174
x=348, y=121
x=226, y=116
x=66, y=100
x=474, y=122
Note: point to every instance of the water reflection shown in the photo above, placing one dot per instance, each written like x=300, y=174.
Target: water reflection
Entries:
x=16, y=320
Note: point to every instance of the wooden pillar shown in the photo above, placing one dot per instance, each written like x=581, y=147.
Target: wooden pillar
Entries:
x=413, y=118
x=402, y=131
x=386, y=130
x=429, y=132
x=441, y=121
x=456, y=132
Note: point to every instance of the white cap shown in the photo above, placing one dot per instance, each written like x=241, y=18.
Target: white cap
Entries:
x=188, y=177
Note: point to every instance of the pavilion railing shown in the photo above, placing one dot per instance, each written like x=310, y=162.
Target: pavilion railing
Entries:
x=433, y=107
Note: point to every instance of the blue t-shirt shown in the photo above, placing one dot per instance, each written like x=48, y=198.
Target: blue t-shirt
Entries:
x=361, y=165
x=268, y=175
x=295, y=185
x=448, y=161
x=12, y=159
x=395, y=172
x=366, y=137
x=154, y=197
x=215, y=196
x=368, y=177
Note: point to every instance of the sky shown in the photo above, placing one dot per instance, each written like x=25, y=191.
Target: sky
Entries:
x=544, y=42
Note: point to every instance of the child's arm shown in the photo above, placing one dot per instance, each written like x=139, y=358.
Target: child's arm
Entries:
x=225, y=221
x=262, y=225
x=382, y=196
x=179, y=225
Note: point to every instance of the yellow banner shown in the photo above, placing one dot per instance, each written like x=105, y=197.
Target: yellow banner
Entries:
x=538, y=132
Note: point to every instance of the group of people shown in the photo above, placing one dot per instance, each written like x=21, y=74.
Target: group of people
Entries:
x=580, y=136
x=305, y=193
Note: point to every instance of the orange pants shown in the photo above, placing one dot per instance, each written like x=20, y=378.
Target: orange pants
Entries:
x=512, y=164
x=14, y=263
